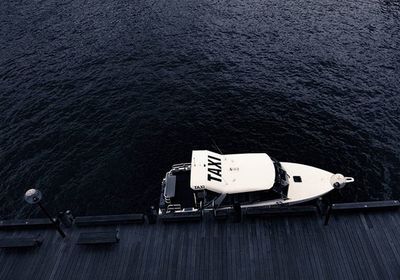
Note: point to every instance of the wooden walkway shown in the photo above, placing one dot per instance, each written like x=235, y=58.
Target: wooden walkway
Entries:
x=353, y=246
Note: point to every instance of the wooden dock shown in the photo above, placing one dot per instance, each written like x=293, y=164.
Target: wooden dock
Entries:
x=355, y=245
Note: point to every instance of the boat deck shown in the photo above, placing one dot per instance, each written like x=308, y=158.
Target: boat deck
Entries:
x=355, y=245
x=183, y=193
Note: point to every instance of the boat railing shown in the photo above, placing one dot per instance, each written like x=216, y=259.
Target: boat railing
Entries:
x=174, y=207
x=181, y=167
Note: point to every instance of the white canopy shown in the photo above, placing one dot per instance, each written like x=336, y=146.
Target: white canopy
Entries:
x=236, y=173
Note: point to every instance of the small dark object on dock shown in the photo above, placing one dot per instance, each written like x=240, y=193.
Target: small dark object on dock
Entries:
x=66, y=218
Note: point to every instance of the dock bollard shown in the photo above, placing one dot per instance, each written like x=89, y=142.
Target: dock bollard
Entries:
x=66, y=218
x=328, y=215
x=237, y=212
x=152, y=215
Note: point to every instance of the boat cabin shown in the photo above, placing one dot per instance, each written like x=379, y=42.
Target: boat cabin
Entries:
x=232, y=178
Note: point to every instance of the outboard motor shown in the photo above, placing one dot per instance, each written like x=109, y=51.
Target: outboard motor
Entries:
x=338, y=181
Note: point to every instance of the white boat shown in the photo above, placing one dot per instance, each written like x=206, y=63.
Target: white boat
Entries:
x=214, y=180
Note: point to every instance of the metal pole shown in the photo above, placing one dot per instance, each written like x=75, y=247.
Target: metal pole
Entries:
x=56, y=224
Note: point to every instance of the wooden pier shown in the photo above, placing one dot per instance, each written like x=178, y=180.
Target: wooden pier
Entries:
x=360, y=243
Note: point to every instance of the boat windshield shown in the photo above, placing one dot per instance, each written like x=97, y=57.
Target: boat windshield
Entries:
x=281, y=179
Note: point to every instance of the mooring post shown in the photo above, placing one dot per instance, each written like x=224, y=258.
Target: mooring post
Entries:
x=152, y=215
x=328, y=214
x=66, y=218
x=320, y=204
x=34, y=196
x=237, y=212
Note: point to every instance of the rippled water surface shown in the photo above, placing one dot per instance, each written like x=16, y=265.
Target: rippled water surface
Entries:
x=99, y=98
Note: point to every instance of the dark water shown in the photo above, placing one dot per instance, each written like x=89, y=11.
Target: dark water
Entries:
x=99, y=98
